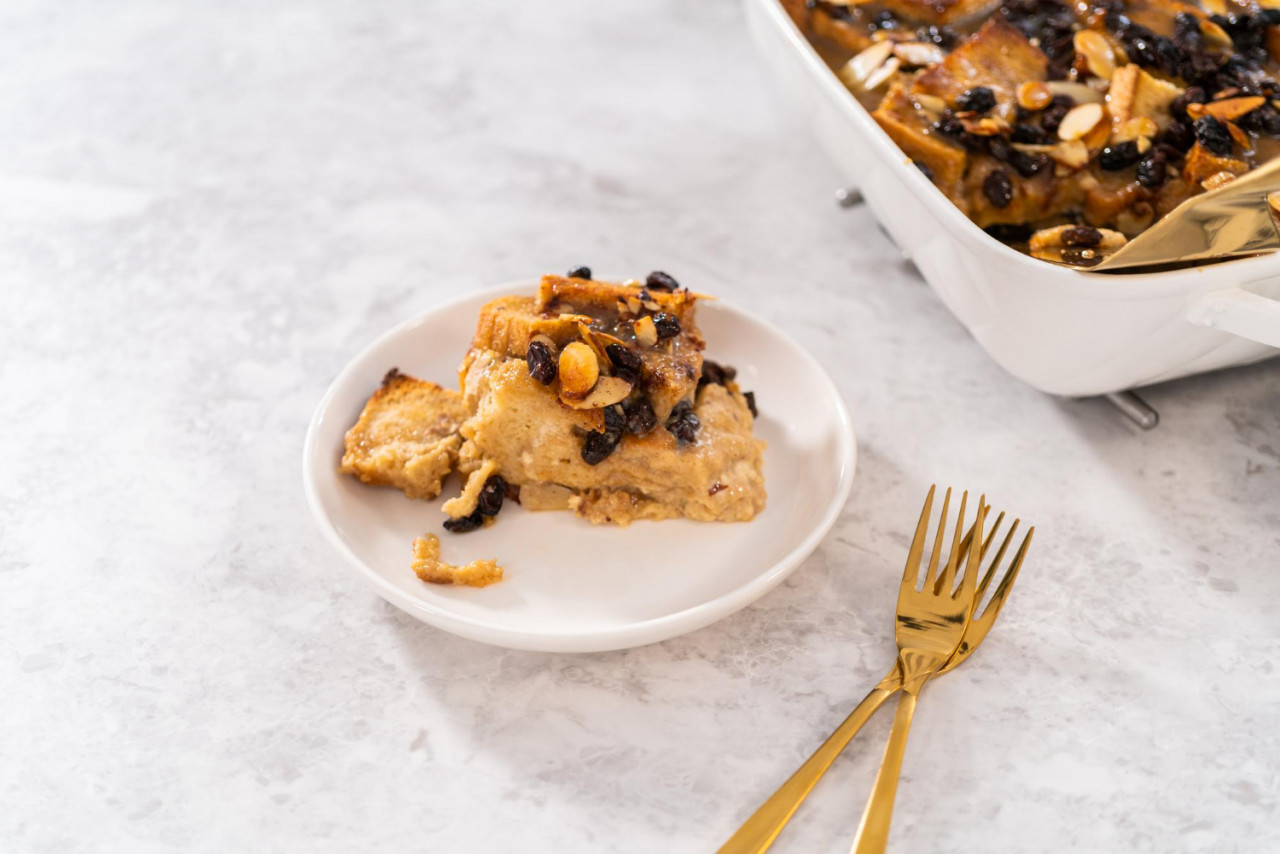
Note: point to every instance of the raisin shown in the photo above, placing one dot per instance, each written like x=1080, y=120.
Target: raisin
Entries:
x=1179, y=135
x=542, y=367
x=1029, y=164
x=598, y=446
x=1186, y=33
x=491, y=495
x=1081, y=257
x=1192, y=95
x=579, y=273
x=465, y=523
x=1214, y=136
x=683, y=424
x=998, y=189
x=928, y=173
x=949, y=125
x=668, y=325
x=1265, y=121
x=1081, y=235
x=1120, y=155
x=1055, y=112
x=751, y=403
x=979, y=99
x=660, y=281
x=627, y=363
x=1029, y=134
x=1152, y=170
x=641, y=417
x=714, y=372
x=614, y=420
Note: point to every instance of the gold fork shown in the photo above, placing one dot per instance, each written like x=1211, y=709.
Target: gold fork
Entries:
x=759, y=831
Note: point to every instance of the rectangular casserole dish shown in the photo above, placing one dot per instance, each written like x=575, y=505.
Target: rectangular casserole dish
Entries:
x=1061, y=330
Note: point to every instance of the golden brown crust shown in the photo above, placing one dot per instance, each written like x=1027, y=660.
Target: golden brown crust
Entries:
x=406, y=436
x=997, y=56
x=428, y=566
x=912, y=130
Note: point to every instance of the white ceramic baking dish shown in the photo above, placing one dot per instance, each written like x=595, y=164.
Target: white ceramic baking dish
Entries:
x=1060, y=330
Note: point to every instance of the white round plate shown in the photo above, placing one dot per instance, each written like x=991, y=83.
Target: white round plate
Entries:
x=571, y=586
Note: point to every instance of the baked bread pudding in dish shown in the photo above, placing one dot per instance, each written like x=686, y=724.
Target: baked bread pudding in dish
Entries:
x=1064, y=129
x=588, y=396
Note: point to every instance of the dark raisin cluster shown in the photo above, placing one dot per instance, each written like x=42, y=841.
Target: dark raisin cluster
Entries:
x=1051, y=24
x=579, y=273
x=542, y=365
x=668, y=325
x=1214, y=136
x=979, y=99
x=636, y=417
x=998, y=188
x=716, y=373
x=683, y=423
x=1120, y=155
x=488, y=504
x=626, y=362
x=1081, y=235
x=660, y=281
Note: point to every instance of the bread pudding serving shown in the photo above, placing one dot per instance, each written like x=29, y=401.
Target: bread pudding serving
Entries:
x=587, y=396
x=1062, y=128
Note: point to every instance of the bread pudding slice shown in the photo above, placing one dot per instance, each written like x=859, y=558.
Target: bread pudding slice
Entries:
x=407, y=436
x=593, y=397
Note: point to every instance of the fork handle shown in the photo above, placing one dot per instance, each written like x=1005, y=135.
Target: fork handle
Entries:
x=762, y=828
x=873, y=831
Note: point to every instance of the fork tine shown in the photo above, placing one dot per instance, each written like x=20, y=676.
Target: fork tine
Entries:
x=1002, y=589
x=948, y=577
x=970, y=580
x=936, y=552
x=991, y=535
x=912, y=572
x=997, y=560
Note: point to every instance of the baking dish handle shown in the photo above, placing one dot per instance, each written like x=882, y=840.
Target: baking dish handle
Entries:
x=1239, y=312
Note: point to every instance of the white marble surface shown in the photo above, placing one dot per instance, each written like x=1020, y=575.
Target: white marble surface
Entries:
x=206, y=209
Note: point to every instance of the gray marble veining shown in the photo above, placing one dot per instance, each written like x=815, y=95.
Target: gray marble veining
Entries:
x=206, y=209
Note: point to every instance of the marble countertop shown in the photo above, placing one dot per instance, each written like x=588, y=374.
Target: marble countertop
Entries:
x=206, y=210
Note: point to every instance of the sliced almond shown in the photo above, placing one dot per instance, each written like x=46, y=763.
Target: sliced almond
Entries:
x=579, y=370
x=931, y=104
x=589, y=338
x=881, y=75
x=1136, y=128
x=1229, y=109
x=1034, y=95
x=646, y=332
x=1217, y=180
x=918, y=54
x=856, y=71
x=1079, y=92
x=1215, y=36
x=1096, y=50
x=1079, y=121
x=1134, y=93
x=1241, y=138
x=608, y=391
x=985, y=126
x=1073, y=154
